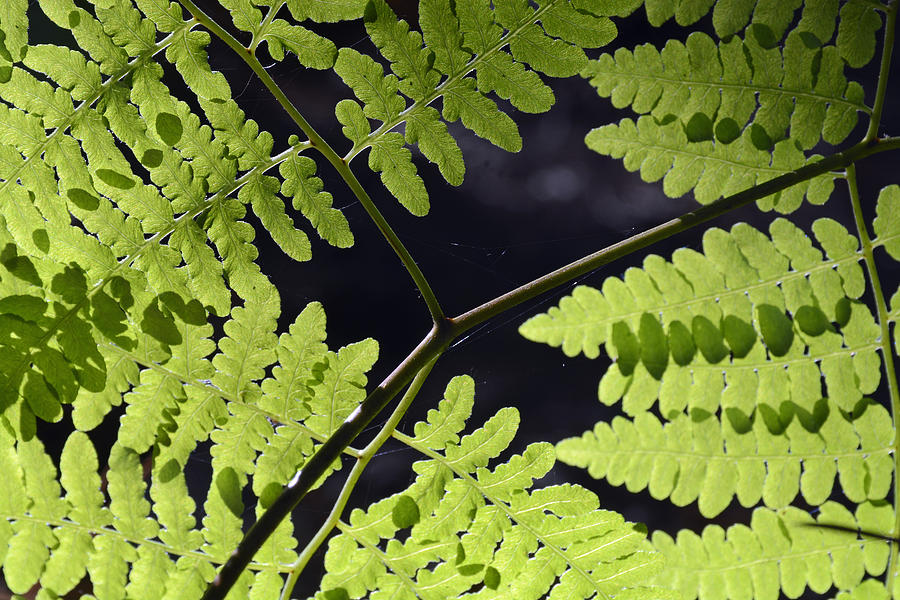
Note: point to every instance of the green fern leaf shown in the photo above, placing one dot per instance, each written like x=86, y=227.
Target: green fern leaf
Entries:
x=248, y=348
x=311, y=50
x=301, y=353
x=188, y=54
x=326, y=11
x=887, y=221
x=745, y=258
x=480, y=114
x=458, y=39
x=710, y=461
x=165, y=15
x=442, y=425
x=787, y=550
x=769, y=19
x=89, y=34
x=480, y=530
x=147, y=403
x=814, y=103
x=378, y=93
x=127, y=28
x=127, y=491
x=301, y=184
x=14, y=25
x=261, y=192
x=222, y=513
x=174, y=509
x=856, y=33
x=403, y=48
x=342, y=386
x=287, y=394
x=711, y=169
x=742, y=355
x=239, y=134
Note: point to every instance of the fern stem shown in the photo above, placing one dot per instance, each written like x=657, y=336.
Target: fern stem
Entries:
x=363, y=459
x=339, y=164
x=886, y=354
x=470, y=66
x=427, y=351
x=263, y=25
x=587, y=264
x=445, y=331
x=887, y=49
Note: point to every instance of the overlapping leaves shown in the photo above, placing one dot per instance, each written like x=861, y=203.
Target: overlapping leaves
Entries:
x=786, y=551
x=95, y=136
x=480, y=529
x=722, y=111
x=260, y=426
x=458, y=38
x=762, y=386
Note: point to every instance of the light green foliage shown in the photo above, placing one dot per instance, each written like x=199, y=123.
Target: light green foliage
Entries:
x=480, y=525
x=717, y=89
x=789, y=547
x=131, y=293
x=759, y=356
x=133, y=543
x=455, y=40
x=722, y=111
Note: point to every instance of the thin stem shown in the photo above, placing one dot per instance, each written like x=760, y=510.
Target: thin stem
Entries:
x=445, y=331
x=886, y=351
x=365, y=456
x=264, y=24
x=428, y=350
x=340, y=165
x=578, y=268
x=887, y=49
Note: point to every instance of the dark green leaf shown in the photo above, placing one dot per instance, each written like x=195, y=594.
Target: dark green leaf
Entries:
x=811, y=319
x=627, y=347
x=115, y=179
x=229, y=487
x=82, y=199
x=152, y=158
x=708, y=339
x=776, y=329
x=169, y=128
x=405, y=513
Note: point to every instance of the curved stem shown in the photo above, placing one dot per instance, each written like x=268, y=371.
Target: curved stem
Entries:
x=427, y=351
x=363, y=459
x=886, y=353
x=340, y=165
x=578, y=268
x=887, y=49
x=445, y=331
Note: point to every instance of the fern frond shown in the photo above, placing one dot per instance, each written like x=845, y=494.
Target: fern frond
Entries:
x=312, y=50
x=681, y=330
x=711, y=169
x=712, y=461
x=859, y=20
x=708, y=334
x=716, y=90
x=481, y=530
x=786, y=550
x=456, y=40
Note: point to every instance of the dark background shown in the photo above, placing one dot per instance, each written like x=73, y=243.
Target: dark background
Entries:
x=516, y=217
